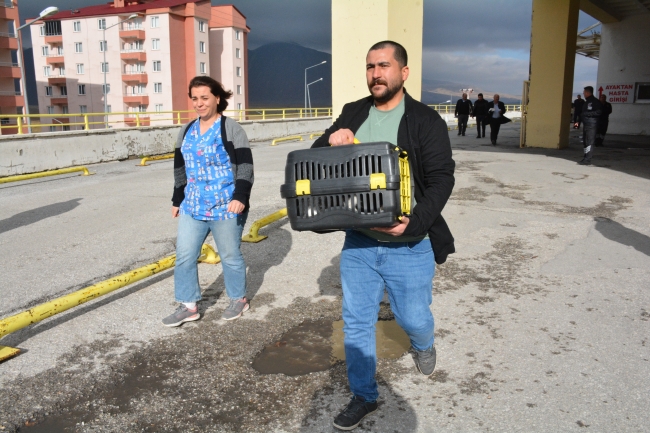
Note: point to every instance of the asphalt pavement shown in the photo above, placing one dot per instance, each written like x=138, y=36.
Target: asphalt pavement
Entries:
x=542, y=315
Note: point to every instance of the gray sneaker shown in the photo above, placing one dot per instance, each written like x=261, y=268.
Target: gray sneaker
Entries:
x=425, y=360
x=235, y=309
x=181, y=315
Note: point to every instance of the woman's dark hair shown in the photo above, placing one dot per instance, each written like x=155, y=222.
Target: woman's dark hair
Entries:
x=215, y=88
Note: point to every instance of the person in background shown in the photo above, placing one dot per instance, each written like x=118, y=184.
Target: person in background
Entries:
x=213, y=177
x=463, y=111
x=496, y=111
x=603, y=120
x=400, y=259
x=480, y=112
x=591, y=111
x=577, y=109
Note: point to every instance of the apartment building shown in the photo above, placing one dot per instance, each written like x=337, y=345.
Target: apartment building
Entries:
x=11, y=94
x=147, y=60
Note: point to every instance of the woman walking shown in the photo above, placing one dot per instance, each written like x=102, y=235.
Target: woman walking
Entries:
x=213, y=176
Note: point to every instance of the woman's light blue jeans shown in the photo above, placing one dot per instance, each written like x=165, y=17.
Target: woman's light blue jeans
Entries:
x=405, y=270
x=227, y=236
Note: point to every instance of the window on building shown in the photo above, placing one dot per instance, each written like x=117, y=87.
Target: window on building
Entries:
x=142, y=108
x=47, y=71
x=81, y=89
x=101, y=24
x=157, y=66
x=106, y=88
x=202, y=26
x=80, y=68
x=238, y=53
x=238, y=70
x=159, y=108
x=103, y=46
x=76, y=26
x=45, y=51
x=155, y=22
x=642, y=93
x=41, y=30
x=202, y=68
x=157, y=87
x=108, y=109
x=64, y=90
x=239, y=89
x=50, y=110
x=239, y=105
x=104, y=67
x=48, y=90
x=78, y=47
x=59, y=50
x=83, y=109
x=62, y=71
x=202, y=47
x=155, y=44
x=238, y=35
x=64, y=109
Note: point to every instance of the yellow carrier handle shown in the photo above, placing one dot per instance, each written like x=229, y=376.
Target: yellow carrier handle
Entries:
x=355, y=141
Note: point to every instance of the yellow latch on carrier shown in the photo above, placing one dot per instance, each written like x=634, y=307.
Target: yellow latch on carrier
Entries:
x=377, y=181
x=405, y=183
x=303, y=187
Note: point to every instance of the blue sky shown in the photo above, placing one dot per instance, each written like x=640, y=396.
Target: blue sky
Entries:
x=477, y=43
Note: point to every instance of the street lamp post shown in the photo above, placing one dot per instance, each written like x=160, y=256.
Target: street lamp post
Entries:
x=306, y=88
x=104, y=66
x=44, y=13
x=309, y=97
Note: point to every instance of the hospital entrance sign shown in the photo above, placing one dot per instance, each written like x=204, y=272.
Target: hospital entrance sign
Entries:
x=617, y=93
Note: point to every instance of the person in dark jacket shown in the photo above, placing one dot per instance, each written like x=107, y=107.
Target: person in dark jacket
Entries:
x=480, y=112
x=463, y=111
x=400, y=258
x=496, y=118
x=590, y=113
x=603, y=120
x=577, y=109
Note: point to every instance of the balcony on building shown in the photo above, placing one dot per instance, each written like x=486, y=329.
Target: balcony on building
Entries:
x=6, y=10
x=134, y=55
x=54, y=59
x=53, y=33
x=9, y=98
x=59, y=100
x=135, y=77
x=132, y=30
x=9, y=70
x=136, y=99
x=56, y=80
x=8, y=40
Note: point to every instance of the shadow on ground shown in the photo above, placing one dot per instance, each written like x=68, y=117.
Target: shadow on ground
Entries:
x=35, y=215
x=619, y=233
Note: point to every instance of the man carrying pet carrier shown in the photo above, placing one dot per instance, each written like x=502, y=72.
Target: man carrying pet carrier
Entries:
x=400, y=258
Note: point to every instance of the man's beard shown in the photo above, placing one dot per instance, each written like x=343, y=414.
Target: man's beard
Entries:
x=387, y=94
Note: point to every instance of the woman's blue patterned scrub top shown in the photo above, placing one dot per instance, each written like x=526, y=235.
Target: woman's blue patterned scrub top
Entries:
x=210, y=180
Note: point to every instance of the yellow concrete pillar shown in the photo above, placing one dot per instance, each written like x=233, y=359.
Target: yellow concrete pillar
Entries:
x=552, y=60
x=356, y=26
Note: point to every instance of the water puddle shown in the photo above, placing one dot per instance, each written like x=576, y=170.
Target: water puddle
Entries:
x=315, y=345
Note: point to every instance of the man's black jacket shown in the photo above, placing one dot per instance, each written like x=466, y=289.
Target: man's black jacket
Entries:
x=501, y=119
x=591, y=109
x=423, y=135
x=463, y=107
x=481, y=107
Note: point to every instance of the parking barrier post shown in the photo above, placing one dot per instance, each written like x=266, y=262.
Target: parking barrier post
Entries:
x=253, y=235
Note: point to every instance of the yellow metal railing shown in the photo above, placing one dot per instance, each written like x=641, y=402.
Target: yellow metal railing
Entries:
x=143, y=161
x=289, y=138
x=17, y=123
x=45, y=174
x=48, y=309
x=253, y=235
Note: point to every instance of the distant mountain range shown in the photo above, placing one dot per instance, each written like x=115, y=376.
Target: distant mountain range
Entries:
x=277, y=79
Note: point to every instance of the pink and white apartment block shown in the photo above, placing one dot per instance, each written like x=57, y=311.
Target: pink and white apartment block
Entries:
x=12, y=100
x=149, y=60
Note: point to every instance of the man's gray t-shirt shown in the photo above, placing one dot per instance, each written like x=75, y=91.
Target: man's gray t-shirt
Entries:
x=383, y=126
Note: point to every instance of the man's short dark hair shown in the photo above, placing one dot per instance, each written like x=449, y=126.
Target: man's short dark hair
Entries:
x=480, y=94
x=399, y=53
x=589, y=89
x=215, y=88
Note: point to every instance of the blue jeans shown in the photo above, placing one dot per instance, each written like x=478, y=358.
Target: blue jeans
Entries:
x=191, y=235
x=405, y=270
